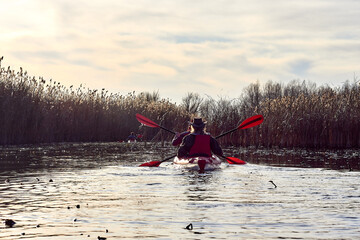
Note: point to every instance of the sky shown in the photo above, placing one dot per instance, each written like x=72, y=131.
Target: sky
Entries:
x=212, y=47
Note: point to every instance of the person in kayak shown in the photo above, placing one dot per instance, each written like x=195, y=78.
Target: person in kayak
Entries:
x=131, y=137
x=198, y=142
x=179, y=137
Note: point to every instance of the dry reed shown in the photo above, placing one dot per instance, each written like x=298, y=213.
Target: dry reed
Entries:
x=37, y=111
x=298, y=114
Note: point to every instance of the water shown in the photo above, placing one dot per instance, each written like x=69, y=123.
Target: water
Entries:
x=118, y=200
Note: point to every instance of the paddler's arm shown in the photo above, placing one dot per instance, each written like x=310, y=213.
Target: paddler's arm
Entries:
x=215, y=147
x=177, y=140
x=185, y=146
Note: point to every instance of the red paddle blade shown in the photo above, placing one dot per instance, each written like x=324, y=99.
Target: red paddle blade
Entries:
x=150, y=164
x=251, y=122
x=146, y=121
x=234, y=160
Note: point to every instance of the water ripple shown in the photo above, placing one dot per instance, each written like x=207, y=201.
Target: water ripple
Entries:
x=123, y=201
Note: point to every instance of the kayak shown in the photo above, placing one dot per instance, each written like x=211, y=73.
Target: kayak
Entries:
x=198, y=163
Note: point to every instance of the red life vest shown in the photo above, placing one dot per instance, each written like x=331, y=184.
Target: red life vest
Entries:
x=201, y=146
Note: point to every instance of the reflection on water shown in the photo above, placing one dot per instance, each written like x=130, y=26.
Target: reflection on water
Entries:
x=107, y=195
x=89, y=155
x=74, y=155
x=60, y=155
x=328, y=159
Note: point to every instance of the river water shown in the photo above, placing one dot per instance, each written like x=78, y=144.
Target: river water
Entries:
x=63, y=193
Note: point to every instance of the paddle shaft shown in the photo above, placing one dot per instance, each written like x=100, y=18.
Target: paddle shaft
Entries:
x=168, y=158
x=149, y=123
x=225, y=133
x=250, y=122
x=242, y=126
x=167, y=130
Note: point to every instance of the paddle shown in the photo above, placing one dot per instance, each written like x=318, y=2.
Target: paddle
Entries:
x=247, y=123
x=156, y=163
x=233, y=160
x=150, y=123
x=230, y=160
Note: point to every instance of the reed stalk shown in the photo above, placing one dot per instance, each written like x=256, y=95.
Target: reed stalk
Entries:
x=299, y=114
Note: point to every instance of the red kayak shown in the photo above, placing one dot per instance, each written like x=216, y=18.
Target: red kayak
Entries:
x=199, y=163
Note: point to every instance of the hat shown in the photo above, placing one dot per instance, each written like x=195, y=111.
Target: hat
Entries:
x=198, y=123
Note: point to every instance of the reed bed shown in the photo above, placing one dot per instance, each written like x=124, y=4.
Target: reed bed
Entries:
x=312, y=117
x=299, y=114
x=34, y=110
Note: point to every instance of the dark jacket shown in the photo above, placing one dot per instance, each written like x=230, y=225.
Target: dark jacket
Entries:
x=189, y=141
x=177, y=140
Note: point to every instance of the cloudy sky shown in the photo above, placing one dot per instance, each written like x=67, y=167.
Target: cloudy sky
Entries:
x=213, y=47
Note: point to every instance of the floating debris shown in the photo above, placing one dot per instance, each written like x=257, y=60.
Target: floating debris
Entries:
x=101, y=238
x=189, y=227
x=51, y=180
x=7, y=180
x=78, y=206
x=9, y=223
x=273, y=183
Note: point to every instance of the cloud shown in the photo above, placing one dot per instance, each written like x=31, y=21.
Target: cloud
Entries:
x=196, y=39
x=28, y=55
x=238, y=62
x=300, y=67
x=212, y=47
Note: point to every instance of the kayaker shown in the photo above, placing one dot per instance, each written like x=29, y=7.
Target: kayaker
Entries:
x=198, y=142
x=131, y=137
x=139, y=137
x=179, y=137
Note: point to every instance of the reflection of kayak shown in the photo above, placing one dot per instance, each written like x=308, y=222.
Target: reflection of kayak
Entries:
x=199, y=163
